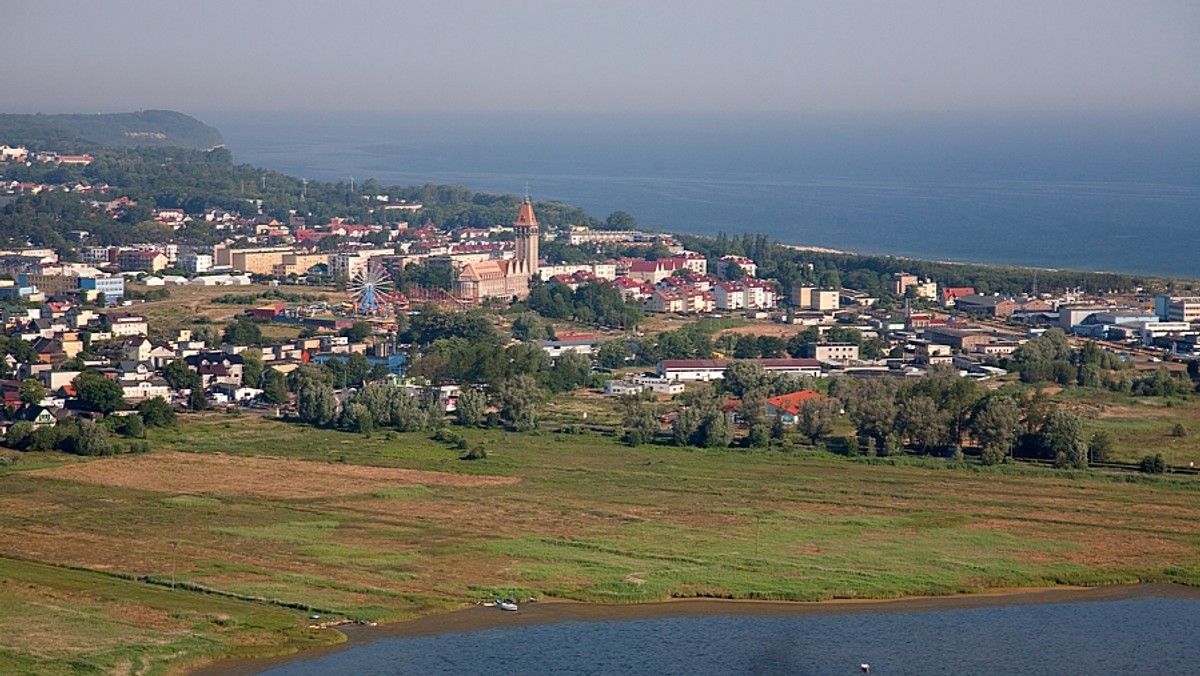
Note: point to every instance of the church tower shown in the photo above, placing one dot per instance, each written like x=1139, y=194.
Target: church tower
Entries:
x=526, y=230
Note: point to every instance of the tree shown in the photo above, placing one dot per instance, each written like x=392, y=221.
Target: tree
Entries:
x=529, y=326
x=316, y=404
x=275, y=389
x=1062, y=439
x=357, y=368
x=716, y=430
x=407, y=414
x=471, y=408
x=32, y=391
x=180, y=376
x=98, y=393
x=619, y=220
x=357, y=332
x=995, y=425
x=612, y=354
x=131, y=426
x=20, y=435
x=701, y=422
x=871, y=405
x=243, y=332
x=753, y=406
x=639, y=421
x=156, y=412
x=92, y=439
x=520, y=401
x=357, y=418
x=208, y=334
x=918, y=418
x=954, y=396
x=815, y=418
x=570, y=371
x=197, y=399
x=378, y=373
x=746, y=347
x=252, y=367
x=1100, y=447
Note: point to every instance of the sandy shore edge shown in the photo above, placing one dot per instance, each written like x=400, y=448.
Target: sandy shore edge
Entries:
x=478, y=618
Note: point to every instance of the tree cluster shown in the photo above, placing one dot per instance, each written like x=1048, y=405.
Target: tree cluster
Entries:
x=596, y=302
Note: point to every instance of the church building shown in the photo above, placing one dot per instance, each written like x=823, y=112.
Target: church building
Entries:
x=508, y=278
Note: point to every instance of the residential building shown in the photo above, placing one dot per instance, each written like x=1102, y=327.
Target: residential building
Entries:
x=951, y=294
x=786, y=407
x=813, y=298
x=196, y=263
x=111, y=288
x=150, y=261
x=255, y=261
x=832, y=351
x=900, y=282
x=123, y=324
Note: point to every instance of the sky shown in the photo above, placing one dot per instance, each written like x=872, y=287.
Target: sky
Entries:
x=601, y=56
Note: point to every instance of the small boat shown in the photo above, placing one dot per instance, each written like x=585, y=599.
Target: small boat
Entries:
x=507, y=604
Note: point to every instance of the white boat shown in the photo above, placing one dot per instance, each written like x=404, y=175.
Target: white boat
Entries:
x=507, y=604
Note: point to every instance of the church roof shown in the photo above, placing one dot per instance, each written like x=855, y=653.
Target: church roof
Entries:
x=525, y=215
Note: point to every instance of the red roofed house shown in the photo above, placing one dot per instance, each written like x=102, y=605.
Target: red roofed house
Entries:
x=950, y=294
x=786, y=407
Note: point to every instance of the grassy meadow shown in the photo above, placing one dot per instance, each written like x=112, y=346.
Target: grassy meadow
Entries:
x=1140, y=426
x=236, y=528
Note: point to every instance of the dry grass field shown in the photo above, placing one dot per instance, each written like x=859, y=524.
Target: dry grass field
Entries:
x=187, y=303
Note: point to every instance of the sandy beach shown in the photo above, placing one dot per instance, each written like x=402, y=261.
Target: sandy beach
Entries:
x=479, y=618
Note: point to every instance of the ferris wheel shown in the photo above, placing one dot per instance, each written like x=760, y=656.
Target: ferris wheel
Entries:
x=371, y=290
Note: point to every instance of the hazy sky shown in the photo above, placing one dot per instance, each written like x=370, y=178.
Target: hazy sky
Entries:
x=600, y=55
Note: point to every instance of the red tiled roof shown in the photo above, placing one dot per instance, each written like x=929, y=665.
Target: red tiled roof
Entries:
x=791, y=402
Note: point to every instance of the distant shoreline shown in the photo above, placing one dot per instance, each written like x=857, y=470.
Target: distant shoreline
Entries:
x=475, y=618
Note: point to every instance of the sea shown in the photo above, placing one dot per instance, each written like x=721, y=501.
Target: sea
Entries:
x=1116, y=193
x=1122, y=638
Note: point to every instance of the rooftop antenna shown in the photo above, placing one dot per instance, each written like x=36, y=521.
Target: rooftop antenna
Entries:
x=527, y=191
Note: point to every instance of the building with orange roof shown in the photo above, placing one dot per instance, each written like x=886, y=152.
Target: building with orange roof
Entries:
x=786, y=407
x=504, y=278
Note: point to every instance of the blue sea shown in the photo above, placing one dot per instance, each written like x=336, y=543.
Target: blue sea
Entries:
x=1114, y=193
x=1126, y=637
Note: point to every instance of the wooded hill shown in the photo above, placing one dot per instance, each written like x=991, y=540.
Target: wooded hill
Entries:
x=67, y=133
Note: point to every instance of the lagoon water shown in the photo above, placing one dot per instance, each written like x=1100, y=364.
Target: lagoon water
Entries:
x=1102, y=193
x=1148, y=635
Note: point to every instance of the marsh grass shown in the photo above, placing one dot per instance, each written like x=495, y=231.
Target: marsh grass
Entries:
x=588, y=519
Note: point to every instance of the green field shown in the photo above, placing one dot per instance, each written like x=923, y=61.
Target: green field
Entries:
x=1140, y=426
x=259, y=523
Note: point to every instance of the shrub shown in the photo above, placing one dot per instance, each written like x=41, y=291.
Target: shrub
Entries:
x=476, y=453
x=1179, y=430
x=1153, y=464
